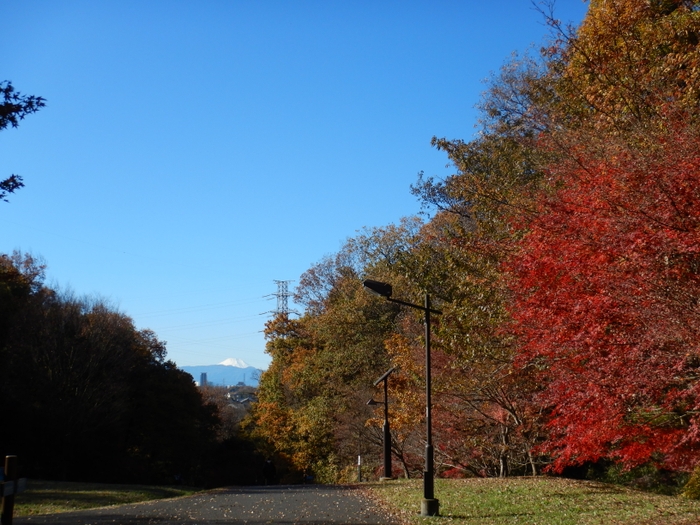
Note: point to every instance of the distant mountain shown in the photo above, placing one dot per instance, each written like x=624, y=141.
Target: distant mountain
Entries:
x=230, y=372
x=232, y=361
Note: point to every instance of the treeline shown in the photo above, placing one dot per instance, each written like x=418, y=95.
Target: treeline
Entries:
x=564, y=253
x=85, y=396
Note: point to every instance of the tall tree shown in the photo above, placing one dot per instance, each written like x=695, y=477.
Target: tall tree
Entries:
x=14, y=107
x=599, y=270
x=325, y=362
x=628, y=62
x=86, y=395
x=489, y=424
x=607, y=288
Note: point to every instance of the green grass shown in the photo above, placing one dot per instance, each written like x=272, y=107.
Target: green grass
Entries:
x=542, y=500
x=48, y=497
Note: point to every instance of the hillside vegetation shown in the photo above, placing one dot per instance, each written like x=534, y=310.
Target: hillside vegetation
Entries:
x=564, y=255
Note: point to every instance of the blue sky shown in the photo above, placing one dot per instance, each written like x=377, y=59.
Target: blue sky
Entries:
x=192, y=152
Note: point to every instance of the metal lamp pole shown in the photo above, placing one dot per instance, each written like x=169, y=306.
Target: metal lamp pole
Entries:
x=429, y=505
x=385, y=428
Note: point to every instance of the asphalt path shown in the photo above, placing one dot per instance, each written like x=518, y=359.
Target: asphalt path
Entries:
x=279, y=504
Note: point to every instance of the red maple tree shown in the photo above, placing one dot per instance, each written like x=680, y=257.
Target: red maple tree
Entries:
x=607, y=300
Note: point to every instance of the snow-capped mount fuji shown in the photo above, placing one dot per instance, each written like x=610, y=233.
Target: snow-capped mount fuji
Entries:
x=229, y=372
x=232, y=361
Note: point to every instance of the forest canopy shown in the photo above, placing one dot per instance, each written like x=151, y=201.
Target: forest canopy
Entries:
x=564, y=254
x=85, y=396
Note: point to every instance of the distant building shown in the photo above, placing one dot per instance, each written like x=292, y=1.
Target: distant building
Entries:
x=203, y=379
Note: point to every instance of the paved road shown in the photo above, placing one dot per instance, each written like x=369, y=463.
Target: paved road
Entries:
x=284, y=504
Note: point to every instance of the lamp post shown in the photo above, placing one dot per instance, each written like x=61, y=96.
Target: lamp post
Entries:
x=385, y=428
x=429, y=505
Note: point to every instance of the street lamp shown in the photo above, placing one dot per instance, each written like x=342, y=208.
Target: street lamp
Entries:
x=385, y=428
x=429, y=505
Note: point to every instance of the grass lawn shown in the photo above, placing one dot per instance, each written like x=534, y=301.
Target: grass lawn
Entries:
x=542, y=500
x=48, y=497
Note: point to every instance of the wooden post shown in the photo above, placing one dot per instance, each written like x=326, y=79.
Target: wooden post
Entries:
x=8, y=502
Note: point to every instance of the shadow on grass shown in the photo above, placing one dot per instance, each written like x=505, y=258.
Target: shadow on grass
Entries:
x=74, y=519
x=479, y=517
x=43, y=497
x=92, y=499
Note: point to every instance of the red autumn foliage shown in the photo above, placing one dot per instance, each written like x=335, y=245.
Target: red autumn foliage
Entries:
x=606, y=303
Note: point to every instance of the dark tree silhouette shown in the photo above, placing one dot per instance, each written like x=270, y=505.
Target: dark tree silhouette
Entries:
x=14, y=107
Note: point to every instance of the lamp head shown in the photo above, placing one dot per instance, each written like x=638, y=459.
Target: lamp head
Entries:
x=385, y=376
x=377, y=287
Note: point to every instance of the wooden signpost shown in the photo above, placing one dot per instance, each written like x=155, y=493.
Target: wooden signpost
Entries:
x=9, y=486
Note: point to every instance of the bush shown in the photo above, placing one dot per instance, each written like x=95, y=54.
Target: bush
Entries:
x=692, y=488
x=648, y=478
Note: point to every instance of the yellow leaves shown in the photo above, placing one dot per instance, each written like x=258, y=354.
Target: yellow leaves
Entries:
x=402, y=353
x=298, y=364
x=630, y=59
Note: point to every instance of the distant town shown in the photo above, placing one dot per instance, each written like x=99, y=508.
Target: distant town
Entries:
x=231, y=372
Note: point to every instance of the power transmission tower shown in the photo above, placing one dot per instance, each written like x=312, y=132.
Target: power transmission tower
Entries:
x=282, y=295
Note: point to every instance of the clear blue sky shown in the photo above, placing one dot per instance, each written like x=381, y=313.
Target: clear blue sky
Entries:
x=192, y=152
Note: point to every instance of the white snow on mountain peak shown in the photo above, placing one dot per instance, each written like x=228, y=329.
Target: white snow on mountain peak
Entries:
x=232, y=361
